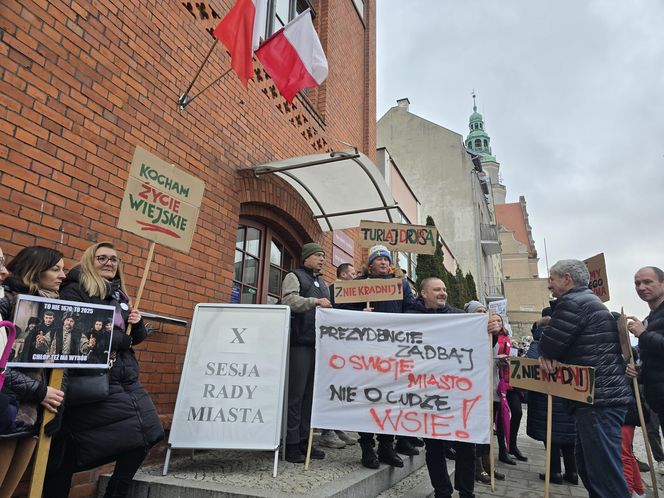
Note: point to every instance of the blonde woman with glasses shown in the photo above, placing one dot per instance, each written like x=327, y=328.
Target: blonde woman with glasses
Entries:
x=124, y=426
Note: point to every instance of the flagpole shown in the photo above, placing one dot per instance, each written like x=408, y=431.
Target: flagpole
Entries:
x=189, y=101
x=183, y=101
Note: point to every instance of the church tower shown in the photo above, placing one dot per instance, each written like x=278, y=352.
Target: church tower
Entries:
x=479, y=142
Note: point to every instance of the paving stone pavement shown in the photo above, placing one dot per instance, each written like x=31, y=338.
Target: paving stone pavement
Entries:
x=243, y=470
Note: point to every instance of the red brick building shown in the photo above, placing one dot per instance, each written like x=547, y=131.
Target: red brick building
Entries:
x=83, y=83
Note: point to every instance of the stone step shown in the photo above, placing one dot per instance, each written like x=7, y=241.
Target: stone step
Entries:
x=239, y=473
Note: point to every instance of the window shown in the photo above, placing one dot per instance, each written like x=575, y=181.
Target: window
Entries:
x=478, y=143
x=262, y=260
x=281, y=12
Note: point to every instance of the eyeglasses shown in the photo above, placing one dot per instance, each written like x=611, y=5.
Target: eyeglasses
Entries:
x=102, y=260
x=2, y=262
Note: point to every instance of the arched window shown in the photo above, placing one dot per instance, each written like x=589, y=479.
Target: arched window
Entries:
x=262, y=260
x=478, y=143
x=486, y=144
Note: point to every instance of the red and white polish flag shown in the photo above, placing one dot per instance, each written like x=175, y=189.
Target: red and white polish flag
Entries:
x=240, y=31
x=294, y=57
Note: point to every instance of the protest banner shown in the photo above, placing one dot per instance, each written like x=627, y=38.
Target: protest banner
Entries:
x=420, y=239
x=409, y=374
x=231, y=390
x=568, y=381
x=499, y=307
x=160, y=202
x=42, y=325
x=368, y=290
x=599, y=282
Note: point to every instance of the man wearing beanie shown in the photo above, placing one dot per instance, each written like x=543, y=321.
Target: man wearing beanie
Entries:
x=303, y=290
x=379, y=266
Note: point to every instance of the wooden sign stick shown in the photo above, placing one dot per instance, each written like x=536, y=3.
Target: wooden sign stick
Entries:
x=44, y=443
x=144, y=279
x=639, y=408
x=547, y=471
x=491, y=394
x=627, y=354
x=308, y=459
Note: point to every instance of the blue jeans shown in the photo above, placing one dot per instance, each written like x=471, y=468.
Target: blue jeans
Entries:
x=598, y=450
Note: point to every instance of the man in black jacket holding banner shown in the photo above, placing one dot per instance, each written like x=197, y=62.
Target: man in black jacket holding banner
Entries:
x=434, y=300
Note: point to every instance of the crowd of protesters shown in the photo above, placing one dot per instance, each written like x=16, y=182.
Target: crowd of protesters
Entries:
x=594, y=441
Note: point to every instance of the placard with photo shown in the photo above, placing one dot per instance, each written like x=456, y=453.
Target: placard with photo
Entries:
x=51, y=333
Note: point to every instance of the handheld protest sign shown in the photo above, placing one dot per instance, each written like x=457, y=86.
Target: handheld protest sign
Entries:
x=368, y=290
x=599, y=282
x=45, y=326
x=160, y=202
x=44, y=443
x=406, y=374
x=626, y=348
x=419, y=239
x=573, y=382
x=231, y=390
x=549, y=422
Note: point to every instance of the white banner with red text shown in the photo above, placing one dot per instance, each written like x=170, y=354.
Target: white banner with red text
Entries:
x=423, y=375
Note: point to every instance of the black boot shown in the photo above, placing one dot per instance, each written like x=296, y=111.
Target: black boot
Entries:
x=480, y=474
x=505, y=457
x=405, y=447
x=316, y=453
x=294, y=454
x=369, y=457
x=117, y=489
x=386, y=454
x=517, y=453
x=487, y=468
x=554, y=478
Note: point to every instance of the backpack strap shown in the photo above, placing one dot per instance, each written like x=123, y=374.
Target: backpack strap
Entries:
x=11, y=335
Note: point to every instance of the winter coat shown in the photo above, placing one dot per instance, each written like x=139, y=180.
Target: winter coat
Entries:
x=127, y=418
x=419, y=307
x=582, y=331
x=27, y=386
x=563, y=427
x=651, y=347
x=301, y=294
x=504, y=348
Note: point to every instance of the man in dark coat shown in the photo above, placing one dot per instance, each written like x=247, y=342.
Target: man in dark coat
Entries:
x=582, y=331
x=434, y=300
x=379, y=265
x=649, y=283
x=303, y=290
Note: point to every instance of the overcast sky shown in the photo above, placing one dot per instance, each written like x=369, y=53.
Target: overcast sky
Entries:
x=572, y=94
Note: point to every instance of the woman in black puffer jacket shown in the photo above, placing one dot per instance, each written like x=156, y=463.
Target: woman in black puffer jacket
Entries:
x=563, y=428
x=124, y=426
x=35, y=271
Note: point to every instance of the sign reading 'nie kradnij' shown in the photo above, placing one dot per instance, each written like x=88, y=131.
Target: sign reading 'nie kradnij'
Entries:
x=415, y=375
x=567, y=381
x=231, y=389
x=160, y=202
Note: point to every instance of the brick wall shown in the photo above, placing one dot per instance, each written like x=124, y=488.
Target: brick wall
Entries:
x=82, y=83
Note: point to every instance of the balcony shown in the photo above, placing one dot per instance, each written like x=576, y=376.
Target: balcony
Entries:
x=489, y=239
x=493, y=289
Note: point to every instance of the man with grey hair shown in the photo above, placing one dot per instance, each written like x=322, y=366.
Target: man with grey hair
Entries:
x=582, y=331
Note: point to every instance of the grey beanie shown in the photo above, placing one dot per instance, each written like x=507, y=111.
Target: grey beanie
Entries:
x=473, y=306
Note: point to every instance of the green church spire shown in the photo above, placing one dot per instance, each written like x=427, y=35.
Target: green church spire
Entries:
x=478, y=140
